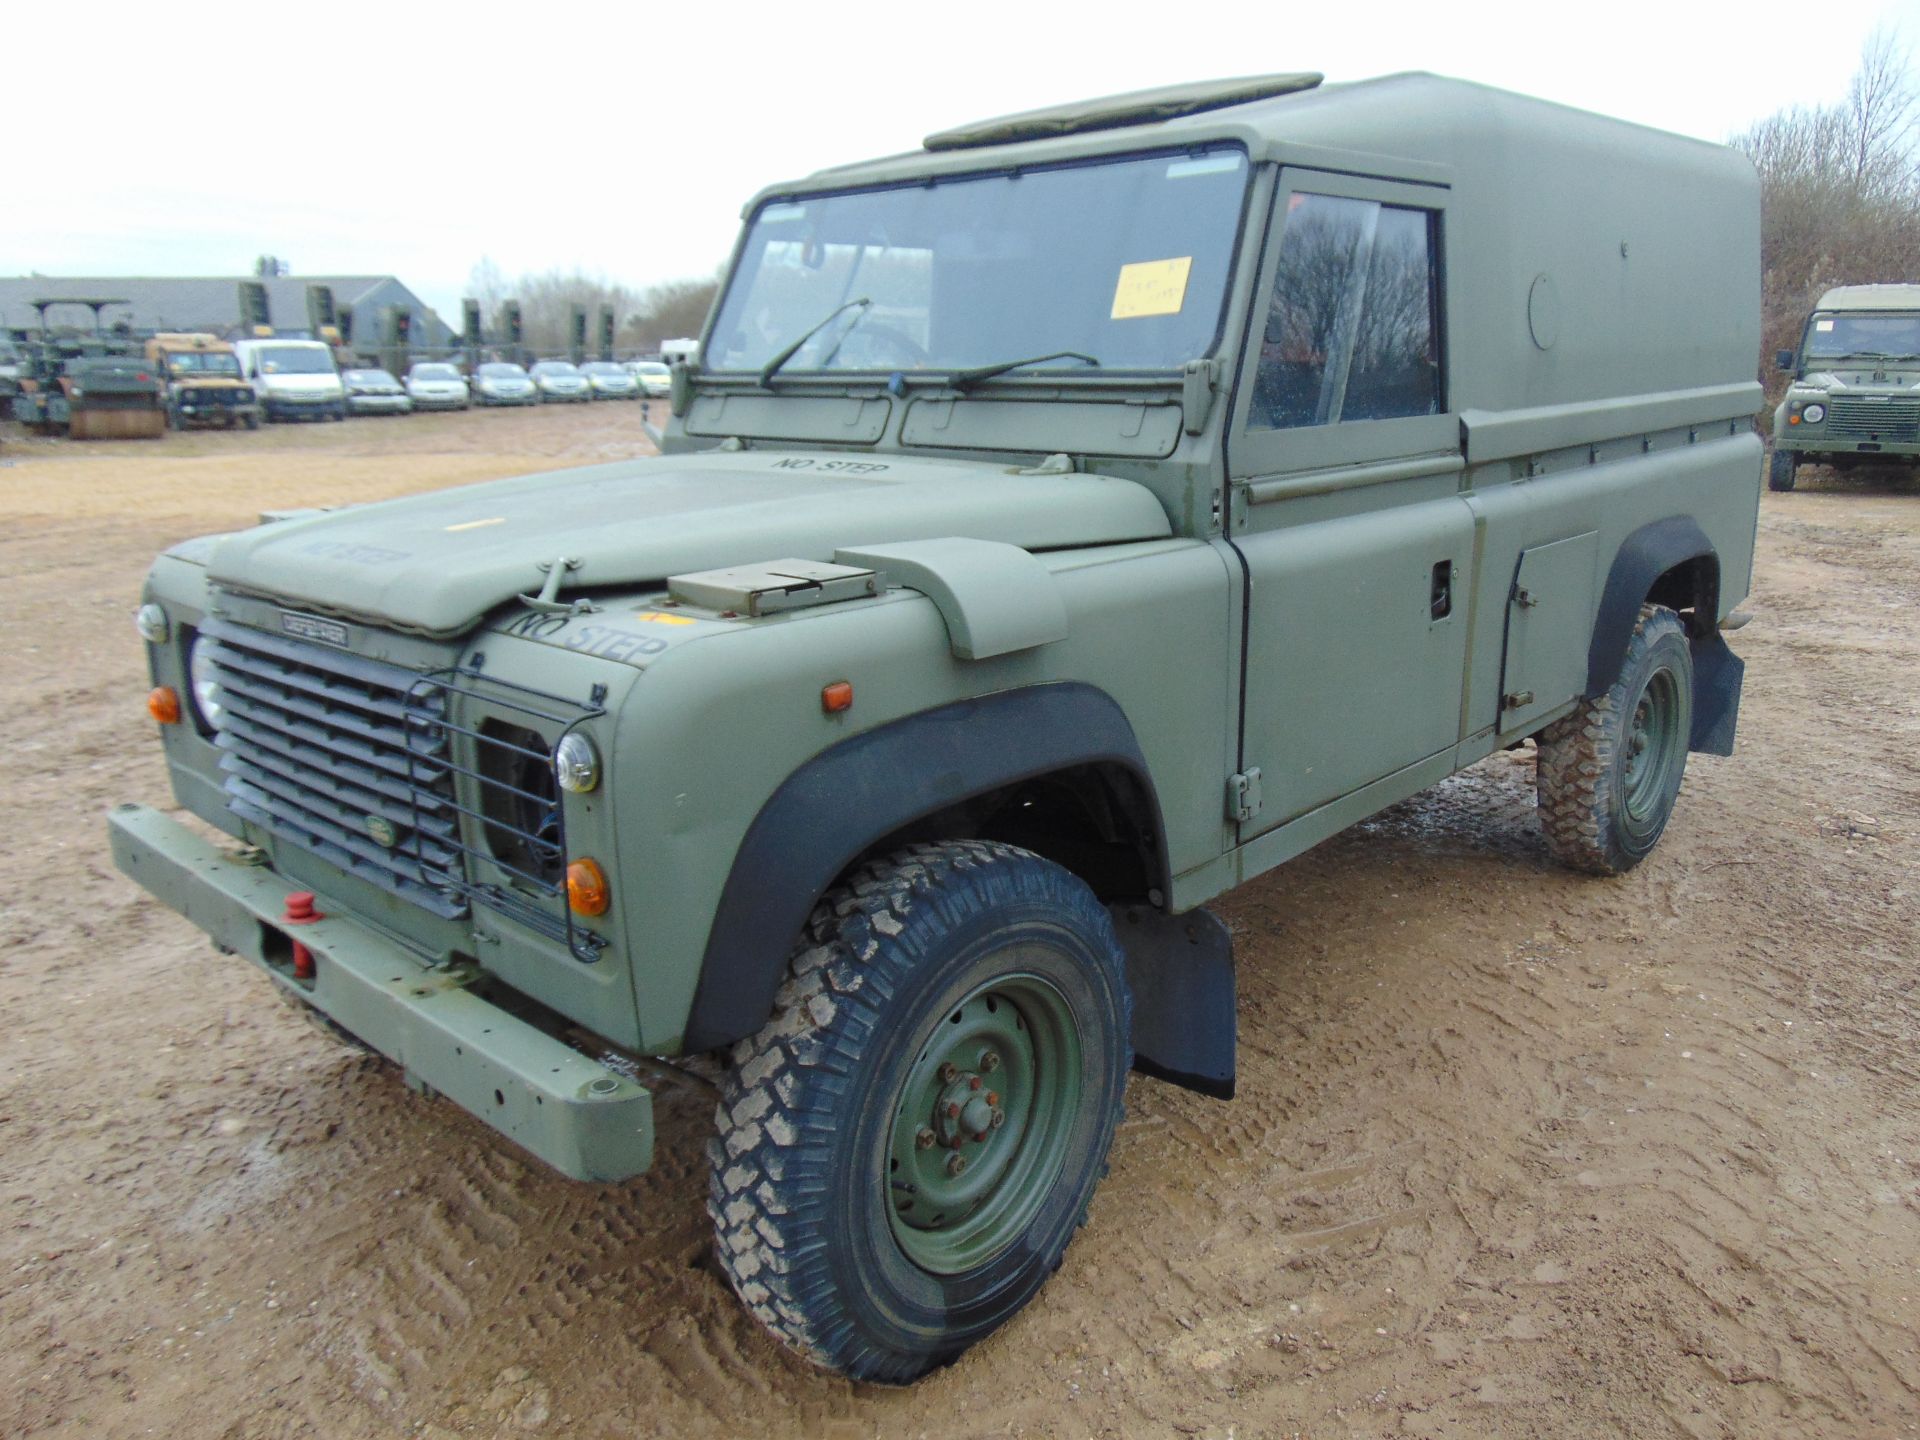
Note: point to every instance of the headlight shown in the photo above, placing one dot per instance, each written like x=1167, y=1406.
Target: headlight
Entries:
x=151, y=621
x=1814, y=414
x=206, y=690
x=576, y=764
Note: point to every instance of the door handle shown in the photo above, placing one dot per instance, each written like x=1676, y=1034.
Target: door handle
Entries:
x=1440, y=595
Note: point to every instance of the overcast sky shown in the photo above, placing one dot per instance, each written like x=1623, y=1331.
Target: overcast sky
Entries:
x=622, y=140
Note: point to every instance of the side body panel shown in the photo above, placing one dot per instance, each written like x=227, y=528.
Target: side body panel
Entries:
x=719, y=724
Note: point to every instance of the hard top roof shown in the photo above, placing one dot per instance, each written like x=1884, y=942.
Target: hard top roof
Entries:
x=1423, y=123
x=1871, y=297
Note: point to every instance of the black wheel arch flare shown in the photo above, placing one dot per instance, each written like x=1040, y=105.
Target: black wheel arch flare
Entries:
x=835, y=807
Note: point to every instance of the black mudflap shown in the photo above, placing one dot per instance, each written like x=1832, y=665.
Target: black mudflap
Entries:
x=1180, y=968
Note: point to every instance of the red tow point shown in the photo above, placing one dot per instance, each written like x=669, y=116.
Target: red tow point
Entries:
x=300, y=911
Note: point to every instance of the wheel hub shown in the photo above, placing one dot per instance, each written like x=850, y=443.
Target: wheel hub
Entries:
x=977, y=1121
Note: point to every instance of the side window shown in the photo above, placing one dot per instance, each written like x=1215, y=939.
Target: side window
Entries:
x=1352, y=332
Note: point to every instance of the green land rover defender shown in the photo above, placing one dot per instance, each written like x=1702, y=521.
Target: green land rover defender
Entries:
x=1058, y=526
x=1855, y=394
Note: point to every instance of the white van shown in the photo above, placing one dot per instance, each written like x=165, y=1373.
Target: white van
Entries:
x=293, y=378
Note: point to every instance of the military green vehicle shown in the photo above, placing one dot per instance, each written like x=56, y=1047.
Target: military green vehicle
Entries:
x=1062, y=525
x=1855, y=394
x=93, y=386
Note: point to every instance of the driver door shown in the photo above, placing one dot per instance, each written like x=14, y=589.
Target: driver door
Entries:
x=1345, y=470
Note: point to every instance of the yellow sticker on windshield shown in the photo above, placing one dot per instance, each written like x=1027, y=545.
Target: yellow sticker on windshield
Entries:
x=1151, y=287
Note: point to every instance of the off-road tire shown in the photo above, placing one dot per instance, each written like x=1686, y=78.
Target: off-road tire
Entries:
x=1780, y=471
x=1598, y=813
x=810, y=1214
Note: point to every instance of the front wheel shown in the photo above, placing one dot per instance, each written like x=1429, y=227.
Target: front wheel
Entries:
x=1780, y=470
x=1609, y=773
x=905, y=1151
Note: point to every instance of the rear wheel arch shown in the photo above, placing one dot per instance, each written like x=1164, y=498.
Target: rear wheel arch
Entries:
x=1669, y=562
x=1054, y=768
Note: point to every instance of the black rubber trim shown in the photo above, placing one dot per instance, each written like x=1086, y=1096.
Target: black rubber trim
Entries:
x=845, y=799
x=1644, y=556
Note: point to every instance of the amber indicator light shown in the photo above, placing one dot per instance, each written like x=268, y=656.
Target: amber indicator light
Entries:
x=587, y=888
x=163, y=704
x=837, y=697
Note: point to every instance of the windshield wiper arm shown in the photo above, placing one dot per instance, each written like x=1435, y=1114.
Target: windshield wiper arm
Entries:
x=967, y=379
x=772, y=367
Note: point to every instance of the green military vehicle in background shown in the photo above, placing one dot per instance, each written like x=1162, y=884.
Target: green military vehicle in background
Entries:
x=1855, y=394
x=88, y=386
x=1058, y=527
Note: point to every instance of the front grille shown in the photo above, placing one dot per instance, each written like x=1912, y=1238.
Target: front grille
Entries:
x=1857, y=418
x=327, y=750
x=383, y=772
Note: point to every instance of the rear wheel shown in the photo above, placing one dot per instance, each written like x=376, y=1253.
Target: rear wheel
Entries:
x=906, y=1150
x=1610, y=772
x=1780, y=471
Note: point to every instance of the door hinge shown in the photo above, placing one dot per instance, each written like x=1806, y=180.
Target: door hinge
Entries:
x=1243, y=795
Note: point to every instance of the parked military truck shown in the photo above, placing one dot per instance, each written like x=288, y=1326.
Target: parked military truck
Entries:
x=90, y=386
x=1855, y=394
x=1061, y=525
x=203, y=381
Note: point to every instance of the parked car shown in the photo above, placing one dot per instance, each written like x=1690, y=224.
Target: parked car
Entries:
x=374, y=392
x=294, y=379
x=436, y=385
x=610, y=381
x=655, y=378
x=561, y=380
x=502, y=383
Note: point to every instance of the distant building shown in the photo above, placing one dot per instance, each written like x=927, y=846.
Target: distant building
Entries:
x=213, y=303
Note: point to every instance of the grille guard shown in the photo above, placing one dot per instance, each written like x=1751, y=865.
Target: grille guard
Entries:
x=382, y=771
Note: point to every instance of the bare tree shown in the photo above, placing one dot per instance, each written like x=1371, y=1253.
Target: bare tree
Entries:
x=488, y=285
x=672, y=310
x=1839, y=191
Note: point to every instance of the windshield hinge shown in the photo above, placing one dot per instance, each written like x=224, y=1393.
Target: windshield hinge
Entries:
x=1057, y=464
x=546, y=603
x=1198, y=382
x=1243, y=795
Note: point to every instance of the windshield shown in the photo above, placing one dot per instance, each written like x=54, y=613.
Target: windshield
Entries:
x=1125, y=260
x=603, y=367
x=502, y=372
x=1873, y=336
x=651, y=367
x=554, y=367
x=368, y=377
x=435, y=372
x=192, y=362
x=296, y=360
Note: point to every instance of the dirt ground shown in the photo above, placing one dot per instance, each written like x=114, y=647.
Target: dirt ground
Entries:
x=1516, y=1152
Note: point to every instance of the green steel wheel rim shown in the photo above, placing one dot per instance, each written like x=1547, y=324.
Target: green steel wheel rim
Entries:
x=980, y=1125
x=1653, y=746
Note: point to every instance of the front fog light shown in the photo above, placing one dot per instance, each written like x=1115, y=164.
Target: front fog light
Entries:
x=1814, y=414
x=151, y=621
x=576, y=764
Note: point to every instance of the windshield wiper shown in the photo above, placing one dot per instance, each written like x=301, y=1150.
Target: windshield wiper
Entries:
x=772, y=367
x=967, y=379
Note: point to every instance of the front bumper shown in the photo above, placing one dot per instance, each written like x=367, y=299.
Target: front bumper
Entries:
x=379, y=404
x=583, y=1118
x=279, y=407
x=1800, y=440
